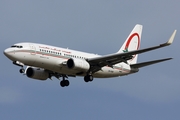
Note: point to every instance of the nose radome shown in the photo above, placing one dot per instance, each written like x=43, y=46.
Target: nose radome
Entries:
x=9, y=54
x=6, y=52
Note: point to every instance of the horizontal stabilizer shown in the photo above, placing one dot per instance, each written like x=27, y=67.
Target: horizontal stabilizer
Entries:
x=143, y=64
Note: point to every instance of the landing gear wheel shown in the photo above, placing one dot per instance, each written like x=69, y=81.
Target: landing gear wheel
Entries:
x=64, y=83
x=21, y=70
x=88, y=78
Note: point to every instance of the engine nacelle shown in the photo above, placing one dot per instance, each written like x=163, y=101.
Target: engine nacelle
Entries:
x=37, y=73
x=78, y=64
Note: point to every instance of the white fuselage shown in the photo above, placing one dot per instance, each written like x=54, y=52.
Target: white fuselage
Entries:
x=55, y=58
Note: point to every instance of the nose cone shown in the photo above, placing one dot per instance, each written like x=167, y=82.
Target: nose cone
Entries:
x=7, y=53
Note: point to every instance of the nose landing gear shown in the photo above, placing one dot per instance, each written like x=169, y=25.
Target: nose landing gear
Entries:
x=21, y=65
x=22, y=70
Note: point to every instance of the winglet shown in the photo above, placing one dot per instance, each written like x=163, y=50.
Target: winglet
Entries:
x=170, y=41
x=171, y=38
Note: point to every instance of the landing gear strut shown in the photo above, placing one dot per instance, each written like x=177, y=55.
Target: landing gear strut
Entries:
x=19, y=64
x=88, y=78
x=64, y=82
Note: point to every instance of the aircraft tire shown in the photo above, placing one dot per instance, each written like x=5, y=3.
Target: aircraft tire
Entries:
x=88, y=78
x=22, y=70
x=64, y=83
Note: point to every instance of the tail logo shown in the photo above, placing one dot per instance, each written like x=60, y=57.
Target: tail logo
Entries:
x=129, y=41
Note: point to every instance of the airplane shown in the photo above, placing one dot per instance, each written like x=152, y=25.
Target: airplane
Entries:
x=45, y=61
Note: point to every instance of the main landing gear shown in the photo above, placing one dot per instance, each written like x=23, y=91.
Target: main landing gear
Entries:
x=88, y=78
x=64, y=83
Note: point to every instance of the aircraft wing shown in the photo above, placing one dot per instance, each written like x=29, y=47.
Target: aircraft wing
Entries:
x=112, y=59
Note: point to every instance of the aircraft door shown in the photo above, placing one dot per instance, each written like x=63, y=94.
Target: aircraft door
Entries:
x=33, y=49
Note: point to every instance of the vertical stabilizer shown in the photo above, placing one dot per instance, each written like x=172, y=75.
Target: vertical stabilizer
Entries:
x=132, y=43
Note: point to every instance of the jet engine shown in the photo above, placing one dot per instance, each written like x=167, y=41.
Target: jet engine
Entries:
x=37, y=73
x=78, y=64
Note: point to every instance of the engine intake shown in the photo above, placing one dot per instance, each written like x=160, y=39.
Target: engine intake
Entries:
x=37, y=73
x=78, y=64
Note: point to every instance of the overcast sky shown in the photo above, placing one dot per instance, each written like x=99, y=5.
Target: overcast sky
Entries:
x=95, y=26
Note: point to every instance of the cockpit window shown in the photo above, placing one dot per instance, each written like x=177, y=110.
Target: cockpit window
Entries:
x=13, y=46
x=17, y=46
